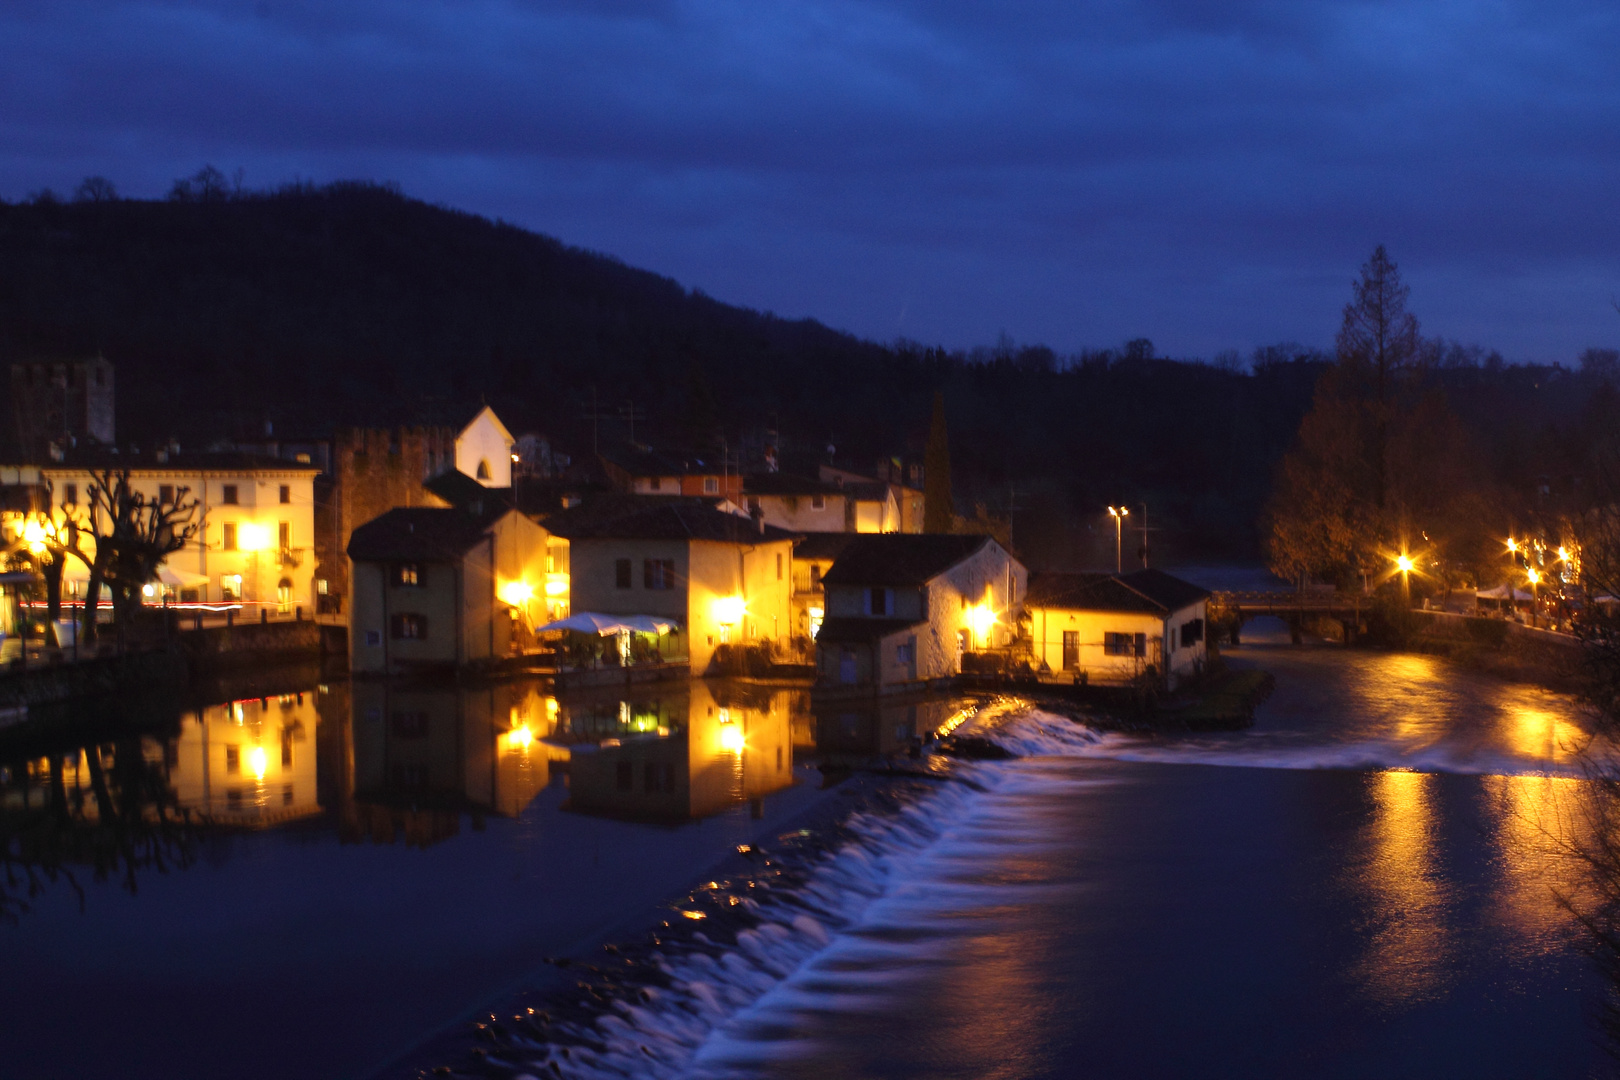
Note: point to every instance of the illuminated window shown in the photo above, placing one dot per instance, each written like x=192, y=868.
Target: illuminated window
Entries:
x=410, y=575
x=284, y=595
x=320, y=587
x=230, y=587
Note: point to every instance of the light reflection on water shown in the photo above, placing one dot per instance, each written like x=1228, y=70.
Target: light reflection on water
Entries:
x=1405, y=893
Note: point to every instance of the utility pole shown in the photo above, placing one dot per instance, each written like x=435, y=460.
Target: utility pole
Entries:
x=1144, y=537
x=594, y=415
x=630, y=414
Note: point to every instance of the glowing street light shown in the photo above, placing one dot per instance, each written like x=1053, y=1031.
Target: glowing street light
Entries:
x=729, y=610
x=1119, y=514
x=980, y=618
x=1404, y=563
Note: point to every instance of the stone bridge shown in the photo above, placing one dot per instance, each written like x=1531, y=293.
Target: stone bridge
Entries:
x=1294, y=607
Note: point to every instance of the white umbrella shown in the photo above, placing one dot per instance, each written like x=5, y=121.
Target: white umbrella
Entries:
x=590, y=622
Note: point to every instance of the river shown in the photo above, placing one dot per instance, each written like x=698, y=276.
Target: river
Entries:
x=1360, y=885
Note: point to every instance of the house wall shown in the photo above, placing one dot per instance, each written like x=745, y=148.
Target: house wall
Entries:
x=258, y=507
x=798, y=513
x=524, y=552
x=1047, y=626
x=720, y=570
x=876, y=515
x=374, y=470
x=373, y=601
x=486, y=628
x=989, y=576
x=591, y=583
x=486, y=441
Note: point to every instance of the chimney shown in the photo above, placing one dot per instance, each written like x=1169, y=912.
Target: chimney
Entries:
x=758, y=515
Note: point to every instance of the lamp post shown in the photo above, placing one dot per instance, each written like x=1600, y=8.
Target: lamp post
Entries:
x=1119, y=514
x=1535, y=579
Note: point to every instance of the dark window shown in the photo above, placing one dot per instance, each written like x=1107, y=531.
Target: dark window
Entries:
x=228, y=536
x=410, y=725
x=228, y=495
x=621, y=573
x=233, y=759
x=286, y=493
x=753, y=504
x=407, y=574
x=1125, y=644
x=815, y=575
x=1071, y=650
x=166, y=494
x=70, y=494
x=880, y=601
x=654, y=483
x=284, y=535
x=659, y=776
x=711, y=484
x=408, y=627
x=658, y=574
x=623, y=777
x=778, y=566
x=818, y=502
x=1192, y=632
x=483, y=470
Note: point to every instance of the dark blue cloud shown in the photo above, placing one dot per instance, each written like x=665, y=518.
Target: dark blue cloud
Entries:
x=1209, y=175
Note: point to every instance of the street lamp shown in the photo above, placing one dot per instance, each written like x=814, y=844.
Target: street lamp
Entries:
x=1404, y=563
x=1119, y=514
x=1535, y=579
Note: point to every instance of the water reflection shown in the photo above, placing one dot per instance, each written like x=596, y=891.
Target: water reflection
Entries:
x=678, y=756
x=1540, y=823
x=1409, y=932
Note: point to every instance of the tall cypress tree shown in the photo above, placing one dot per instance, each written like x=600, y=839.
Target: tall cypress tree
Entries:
x=938, y=513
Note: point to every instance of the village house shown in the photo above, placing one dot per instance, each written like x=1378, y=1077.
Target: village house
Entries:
x=256, y=517
x=443, y=588
x=881, y=504
x=797, y=503
x=723, y=578
x=642, y=471
x=813, y=556
x=903, y=609
x=1113, y=628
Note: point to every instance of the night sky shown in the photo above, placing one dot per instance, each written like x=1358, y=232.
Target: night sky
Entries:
x=1206, y=173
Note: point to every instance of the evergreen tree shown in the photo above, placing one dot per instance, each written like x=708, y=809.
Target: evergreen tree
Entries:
x=938, y=512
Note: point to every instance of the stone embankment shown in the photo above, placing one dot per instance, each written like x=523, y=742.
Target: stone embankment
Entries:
x=1500, y=647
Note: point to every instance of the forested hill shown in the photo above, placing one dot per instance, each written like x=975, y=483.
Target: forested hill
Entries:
x=354, y=304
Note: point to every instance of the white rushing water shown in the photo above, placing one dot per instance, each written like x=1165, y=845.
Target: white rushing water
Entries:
x=892, y=900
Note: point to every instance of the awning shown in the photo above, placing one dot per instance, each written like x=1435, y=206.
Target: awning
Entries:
x=590, y=622
x=175, y=579
x=1501, y=593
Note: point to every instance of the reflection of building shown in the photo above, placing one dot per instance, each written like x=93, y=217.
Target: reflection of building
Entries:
x=248, y=762
x=722, y=577
x=1113, y=627
x=446, y=588
x=685, y=756
x=424, y=755
x=902, y=609
x=878, y=730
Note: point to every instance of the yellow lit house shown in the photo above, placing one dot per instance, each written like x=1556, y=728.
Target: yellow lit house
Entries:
x=902, y=609
x=1113, y=628
x=257, y=514
x=723, y=578
x=442, y=588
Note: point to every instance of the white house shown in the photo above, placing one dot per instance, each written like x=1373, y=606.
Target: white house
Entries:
x=1113, y=628
x=901, y=609
x=484, y=450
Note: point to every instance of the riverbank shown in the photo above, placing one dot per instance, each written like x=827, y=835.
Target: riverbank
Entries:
x=1501, y=648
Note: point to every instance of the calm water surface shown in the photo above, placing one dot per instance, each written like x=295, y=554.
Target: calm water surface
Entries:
x=1361, y=885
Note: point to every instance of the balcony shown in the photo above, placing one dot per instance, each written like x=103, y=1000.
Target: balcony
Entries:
x=290, y=558
x=806, y=584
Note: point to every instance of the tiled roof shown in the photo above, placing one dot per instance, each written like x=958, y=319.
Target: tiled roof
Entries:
x=844, y=630
x=1151, y=592
x=100, y=458
x=900, y=558
x=431, y=534
x=675, y=520
x=783, y=484
x=463, y=492
x=828, y=545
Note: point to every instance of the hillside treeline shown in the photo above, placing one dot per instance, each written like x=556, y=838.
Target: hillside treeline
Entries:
x=351, y=303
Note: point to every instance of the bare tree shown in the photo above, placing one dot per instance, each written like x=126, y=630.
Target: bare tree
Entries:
x=133, y=535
